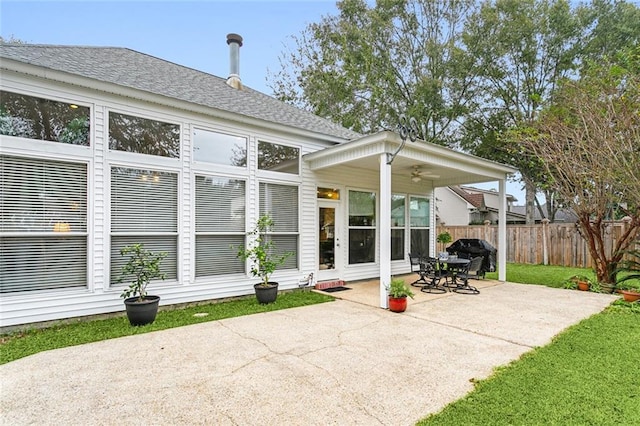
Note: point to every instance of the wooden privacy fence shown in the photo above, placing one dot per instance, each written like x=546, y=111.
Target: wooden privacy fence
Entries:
x=546, y=243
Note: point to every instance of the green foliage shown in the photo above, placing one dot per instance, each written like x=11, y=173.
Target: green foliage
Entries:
x=467, y=71
x=76, y=332
x=588, y=375
x=142, y=267
x=398, y=288
x=262, y=254
x=444, y=238
x=628, y=271
x=599, y=110
x=550, y=276
x=371, y=62
x=572, y=282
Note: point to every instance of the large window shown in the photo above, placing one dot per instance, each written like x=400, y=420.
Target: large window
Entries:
x=220, y=224
x=218, y=148
x=398, y=212
x=144, y=209
x=37, y=118
x=419, y=222
x=281, y=203
x=143, y=136
x=43, y=224
x=278, y=158
x=362, y=227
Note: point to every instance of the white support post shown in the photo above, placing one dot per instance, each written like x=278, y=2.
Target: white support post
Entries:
x=384, y=226
x=502, y=231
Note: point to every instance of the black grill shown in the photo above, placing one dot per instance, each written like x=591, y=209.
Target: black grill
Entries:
x=472, y=247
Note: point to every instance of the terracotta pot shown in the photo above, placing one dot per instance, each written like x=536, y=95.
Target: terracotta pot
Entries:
x=630, y=295
x=583, y=285
x=397, y=304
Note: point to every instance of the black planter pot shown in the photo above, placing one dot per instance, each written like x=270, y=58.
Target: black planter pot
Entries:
x=141, y=313
x=266, y=293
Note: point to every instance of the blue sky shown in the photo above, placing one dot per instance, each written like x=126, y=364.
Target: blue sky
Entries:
x=189, y=33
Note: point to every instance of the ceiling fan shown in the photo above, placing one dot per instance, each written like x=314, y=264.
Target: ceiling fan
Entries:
x=418, y=174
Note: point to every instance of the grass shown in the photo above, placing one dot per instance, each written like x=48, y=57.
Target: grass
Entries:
x=588, y=375
x=28, y=342
x=550, y=276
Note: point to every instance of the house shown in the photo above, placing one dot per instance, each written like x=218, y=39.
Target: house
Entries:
x=102, y=147
x=562, y=215
x=460, y=205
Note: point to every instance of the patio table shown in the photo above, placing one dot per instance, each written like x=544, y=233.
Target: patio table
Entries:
x=453, y=264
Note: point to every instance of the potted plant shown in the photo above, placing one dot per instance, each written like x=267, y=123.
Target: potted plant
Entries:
x=398, y=291
x=264, y=260
x=580, y=282
x=628, y=277
x=443, y=238
x=142, y=267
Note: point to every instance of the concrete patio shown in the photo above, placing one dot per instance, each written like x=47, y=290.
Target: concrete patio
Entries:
x=341, y=363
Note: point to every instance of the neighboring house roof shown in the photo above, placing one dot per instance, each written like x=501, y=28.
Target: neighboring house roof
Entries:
x=128, y=68
x=476, y=200
x=562, y=215
x=492, y=192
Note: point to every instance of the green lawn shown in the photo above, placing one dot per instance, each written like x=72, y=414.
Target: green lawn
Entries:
x=588, y=375
x=550, y=276
x=20, y=344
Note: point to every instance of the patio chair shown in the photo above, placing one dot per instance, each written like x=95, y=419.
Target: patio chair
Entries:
x=433, y=273
x=464, y=274
x=416, y=266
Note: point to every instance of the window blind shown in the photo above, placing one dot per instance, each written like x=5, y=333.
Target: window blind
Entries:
x=143, y=200
x=144, y=209
x=43, y=205
x=281, y=203
x=220, y=225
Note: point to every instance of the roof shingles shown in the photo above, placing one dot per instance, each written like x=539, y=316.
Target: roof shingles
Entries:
x=128, y=68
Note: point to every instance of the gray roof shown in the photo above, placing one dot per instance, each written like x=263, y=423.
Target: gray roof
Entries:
x=128, y=68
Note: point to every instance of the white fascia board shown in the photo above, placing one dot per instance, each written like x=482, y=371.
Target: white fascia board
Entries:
x=387, y=141
x=359, y=148
x=129, y=92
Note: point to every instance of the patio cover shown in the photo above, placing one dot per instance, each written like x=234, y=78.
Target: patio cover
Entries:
x=373, y=152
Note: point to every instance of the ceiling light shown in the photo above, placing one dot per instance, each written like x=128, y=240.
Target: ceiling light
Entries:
x=416, y=179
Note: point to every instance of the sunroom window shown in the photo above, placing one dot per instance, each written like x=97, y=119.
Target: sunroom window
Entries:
x=278, y=158
x=143, y=136
x=397, y=226
x=43, y=224
x=219, y=148
x=419, y=222
x=281, y=203
x=362, y=227
x=220, y=225
x=144, y=209
x=43, y=119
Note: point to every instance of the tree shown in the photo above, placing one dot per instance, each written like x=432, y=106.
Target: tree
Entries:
x=369, y=64
x=522, y=48
x=589, y=144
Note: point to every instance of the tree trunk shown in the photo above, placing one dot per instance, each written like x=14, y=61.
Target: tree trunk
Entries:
x=530, y=196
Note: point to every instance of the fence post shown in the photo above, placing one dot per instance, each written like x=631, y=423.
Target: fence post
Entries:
x=545, y=245
x=487, y=224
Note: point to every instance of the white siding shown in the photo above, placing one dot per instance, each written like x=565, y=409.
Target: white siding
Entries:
x=99, y=297
x=452, y=210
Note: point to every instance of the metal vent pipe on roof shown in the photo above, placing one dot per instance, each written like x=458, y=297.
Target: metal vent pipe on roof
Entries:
x=234, y=41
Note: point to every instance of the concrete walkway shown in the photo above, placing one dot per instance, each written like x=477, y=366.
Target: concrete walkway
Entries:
x=338, y=363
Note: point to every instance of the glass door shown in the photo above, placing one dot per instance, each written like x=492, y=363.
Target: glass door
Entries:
x=329, y=254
